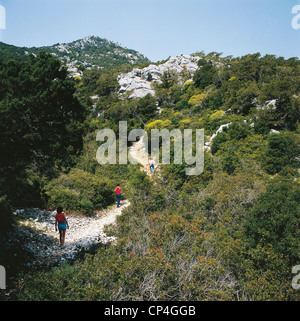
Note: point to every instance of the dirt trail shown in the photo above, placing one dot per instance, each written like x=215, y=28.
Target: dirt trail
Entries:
x=36, y=227
x=138, y=152
x=36, y=230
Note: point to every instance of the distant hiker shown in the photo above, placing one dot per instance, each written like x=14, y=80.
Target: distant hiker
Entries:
x=62, y=223
x=151, y=163
x=118, y=191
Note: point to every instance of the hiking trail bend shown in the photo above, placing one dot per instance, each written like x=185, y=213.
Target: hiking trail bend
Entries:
x=36, y=227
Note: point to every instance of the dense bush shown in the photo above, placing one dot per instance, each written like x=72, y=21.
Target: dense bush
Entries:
x=189, y=248
x=41, y=125
x=80, y=191
x=281, y=151
x=275, y=220
x=5, y=217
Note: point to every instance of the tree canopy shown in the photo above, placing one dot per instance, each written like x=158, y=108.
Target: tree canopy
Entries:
x=41, y=122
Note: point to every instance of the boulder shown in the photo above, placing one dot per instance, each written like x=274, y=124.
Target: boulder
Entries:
x=139, y=80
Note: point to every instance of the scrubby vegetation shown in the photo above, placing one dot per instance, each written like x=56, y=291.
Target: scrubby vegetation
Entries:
x=231, y=233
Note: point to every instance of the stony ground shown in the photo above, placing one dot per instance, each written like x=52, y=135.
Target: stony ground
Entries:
x=36, y=229
x=138, y=152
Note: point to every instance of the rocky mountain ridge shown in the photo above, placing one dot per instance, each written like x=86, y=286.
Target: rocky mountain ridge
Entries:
x=95, y=52
x=86, y=53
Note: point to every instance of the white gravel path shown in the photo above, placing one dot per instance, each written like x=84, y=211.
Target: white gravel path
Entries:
x=36, y=229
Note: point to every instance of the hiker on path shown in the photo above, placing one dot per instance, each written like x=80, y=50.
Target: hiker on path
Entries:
x=118, y=191
x=62, y=224
x=151, y=163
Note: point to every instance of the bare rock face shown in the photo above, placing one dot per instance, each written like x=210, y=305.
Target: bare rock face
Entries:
x=139, y=80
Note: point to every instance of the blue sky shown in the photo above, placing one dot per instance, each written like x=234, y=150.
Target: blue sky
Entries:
x=158, y=28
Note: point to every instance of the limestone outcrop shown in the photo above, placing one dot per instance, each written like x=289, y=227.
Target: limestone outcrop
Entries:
x=139, y=81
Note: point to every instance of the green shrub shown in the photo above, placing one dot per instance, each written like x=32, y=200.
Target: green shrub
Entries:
x=182, y=104
x=86, y=206
x=140, y=181
x=230, y=162
x=281, y=151
x=80, y=191
x=217, y=141
x=64, y=197
x=274, y=220
x=5, y=215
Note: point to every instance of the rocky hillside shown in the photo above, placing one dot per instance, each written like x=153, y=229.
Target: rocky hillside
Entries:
x=139, y=81
x=94, y=52
x=89, y=52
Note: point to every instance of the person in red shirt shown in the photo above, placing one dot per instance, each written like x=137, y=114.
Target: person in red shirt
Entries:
x=62, y=223
x=118, y=191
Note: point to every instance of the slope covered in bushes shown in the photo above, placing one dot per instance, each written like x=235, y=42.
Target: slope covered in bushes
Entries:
x=231, y=233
